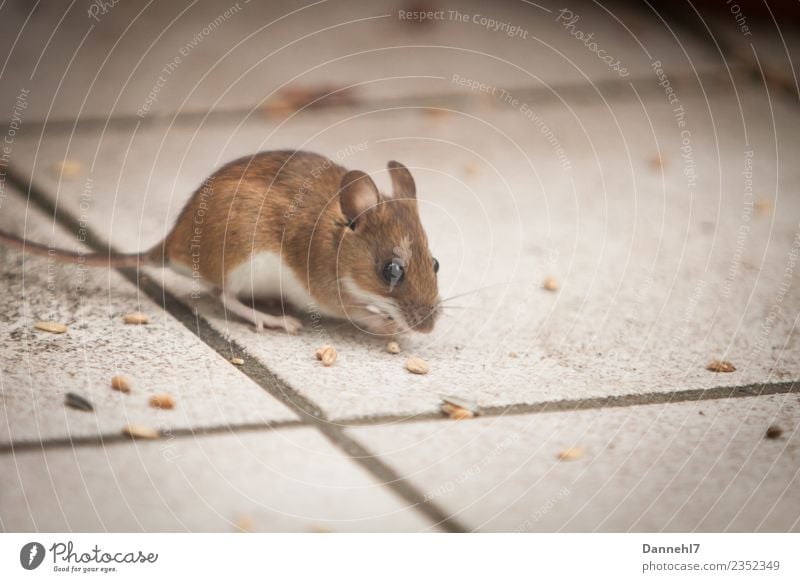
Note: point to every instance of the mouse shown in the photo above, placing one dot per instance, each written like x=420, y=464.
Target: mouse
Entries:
x=296, y=227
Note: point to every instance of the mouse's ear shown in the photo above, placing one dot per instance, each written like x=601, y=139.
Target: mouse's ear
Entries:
x=402, y=181
x=357, y=194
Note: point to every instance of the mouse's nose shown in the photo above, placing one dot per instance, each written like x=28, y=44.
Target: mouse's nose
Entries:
x=425, y=319
x=425, y=326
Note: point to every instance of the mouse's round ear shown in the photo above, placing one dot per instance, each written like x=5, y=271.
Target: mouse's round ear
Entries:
x=357, y=194
x=402, y=181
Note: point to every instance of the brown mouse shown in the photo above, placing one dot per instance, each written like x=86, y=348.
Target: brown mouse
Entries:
x=295, y=226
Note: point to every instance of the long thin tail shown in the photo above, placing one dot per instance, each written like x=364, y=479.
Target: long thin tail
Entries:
x=109, y=259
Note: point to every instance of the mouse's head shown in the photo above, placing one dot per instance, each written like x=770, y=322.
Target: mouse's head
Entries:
x=386, y=273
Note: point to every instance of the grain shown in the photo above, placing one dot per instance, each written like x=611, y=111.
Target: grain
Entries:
x=327, y=355
x=572, y=454
x=237, y=361
x=550, y=284
x=417, y=366
x=762, y=207
x=67, y=169
x=393, y=348
x=78, y=402
x=137, y=431
x=121, y=384
x=163, y=400
x=244, y=524
x=456, y=412
x=51, y=326
x=136, y=318
x=721, y=366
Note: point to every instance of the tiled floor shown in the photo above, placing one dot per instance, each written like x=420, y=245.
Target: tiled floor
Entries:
x=666, y=207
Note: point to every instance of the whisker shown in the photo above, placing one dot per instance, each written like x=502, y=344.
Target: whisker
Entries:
x=482, y=289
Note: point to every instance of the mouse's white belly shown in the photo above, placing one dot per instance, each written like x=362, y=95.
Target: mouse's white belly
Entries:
x=266, y=276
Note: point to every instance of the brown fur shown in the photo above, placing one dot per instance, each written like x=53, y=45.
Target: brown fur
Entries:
x=287, y=202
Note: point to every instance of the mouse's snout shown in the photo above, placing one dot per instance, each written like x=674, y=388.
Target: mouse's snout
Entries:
x=422, y=318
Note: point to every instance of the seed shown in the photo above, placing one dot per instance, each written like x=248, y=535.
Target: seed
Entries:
x=550, y=284
x=656, y=162
x=327, y=354
x=137, y=431
x=393, y=348
x=774, y=432
x=78, y=402
x=164, y=401
x=237, y=361
x=136, y=318
x=244, y=524
x=513, y=355
x=121, y=384
x=456, y=412
x=471, y=169
x=67, y=168
x=51, y=326
x=762, y=207
x=417, y=366
x=721, y=366
x=572, y=454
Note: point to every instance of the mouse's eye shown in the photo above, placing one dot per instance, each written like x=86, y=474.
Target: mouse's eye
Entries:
x=435, y=266
x=393, y=272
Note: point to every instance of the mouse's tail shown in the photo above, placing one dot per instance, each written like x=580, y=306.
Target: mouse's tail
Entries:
x=109, y=259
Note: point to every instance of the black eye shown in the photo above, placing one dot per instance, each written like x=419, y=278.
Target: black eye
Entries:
x=393, y=272
x=435, y=266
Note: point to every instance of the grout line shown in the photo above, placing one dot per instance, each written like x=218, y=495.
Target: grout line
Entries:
x=549, y=407
x=620, y=401
x=109, y=439
x=309, y=412
x=571, y=92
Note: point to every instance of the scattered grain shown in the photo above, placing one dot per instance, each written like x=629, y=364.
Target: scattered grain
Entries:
x=136, y=318
x=393, y=348
x=137, y=431
x=163, y=400
x=417, y=366
x=550, y=284
x=237, y=361
x=67, y=169
x=327, y=355
x=51, y=326
x=721, y=366
x=456, y=412
x=762, y=207
x=121, y=384
x=572, y=454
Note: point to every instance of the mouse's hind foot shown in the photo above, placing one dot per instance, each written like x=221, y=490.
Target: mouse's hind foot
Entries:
x=258, y=318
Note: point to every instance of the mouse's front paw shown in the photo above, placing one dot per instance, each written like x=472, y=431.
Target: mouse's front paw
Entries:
x=292, y=324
